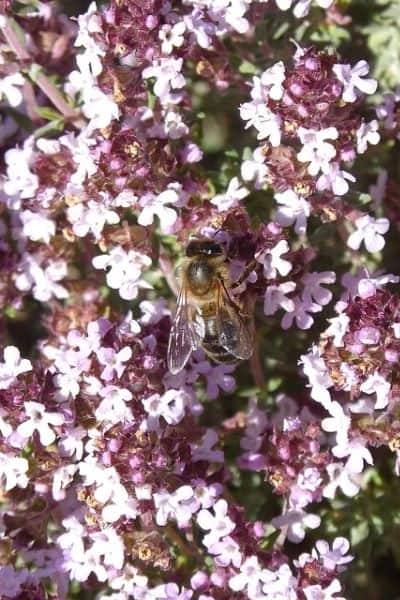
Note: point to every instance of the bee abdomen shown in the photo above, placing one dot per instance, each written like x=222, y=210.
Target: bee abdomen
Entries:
x=211, y=344
x=218, y=353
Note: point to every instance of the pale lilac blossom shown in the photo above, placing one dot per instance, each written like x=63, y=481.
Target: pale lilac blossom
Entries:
x=371, y=232
x=218, y=524
x=13, y=472
x=10, y=89
x=41, y=421
x=276, y=297
x=316, y=150
x=125, y=270
x=12, y=366
x=234, y=193
x=272, y=260
x=114, y=362
x=293, y=209
x=377, y=384
x=353, y=80
x=366, y=134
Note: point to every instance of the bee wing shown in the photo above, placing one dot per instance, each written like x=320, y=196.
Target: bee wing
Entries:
x=183, y=337
x=233, y=330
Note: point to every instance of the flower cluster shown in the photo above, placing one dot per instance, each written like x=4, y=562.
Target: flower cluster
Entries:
x=307, y=114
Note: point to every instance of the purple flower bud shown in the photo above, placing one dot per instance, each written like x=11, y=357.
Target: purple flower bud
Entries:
x=199, y=581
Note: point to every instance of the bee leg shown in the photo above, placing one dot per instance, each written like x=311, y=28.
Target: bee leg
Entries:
x=249, y=268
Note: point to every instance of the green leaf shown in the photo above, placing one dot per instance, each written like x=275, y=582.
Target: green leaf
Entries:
x=50, y=128
x=49, y=114
x=248, y=68
x=359, y=533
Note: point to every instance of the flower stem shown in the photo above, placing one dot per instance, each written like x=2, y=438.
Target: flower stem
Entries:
x=43, y=82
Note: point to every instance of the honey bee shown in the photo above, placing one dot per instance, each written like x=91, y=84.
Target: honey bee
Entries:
x=206, y=315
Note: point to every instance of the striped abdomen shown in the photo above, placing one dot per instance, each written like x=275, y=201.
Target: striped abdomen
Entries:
x=210, y=343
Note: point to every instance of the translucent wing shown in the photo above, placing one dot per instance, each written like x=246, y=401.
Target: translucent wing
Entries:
x=183, y=338
x=233, y=329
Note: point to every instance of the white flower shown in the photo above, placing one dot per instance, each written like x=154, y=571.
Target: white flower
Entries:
x=81, y=154
x=334, y=179
x=13, y=472
x=370, y=231
x=356, y=451
x=112, y=408
x=180, y=505
x=249, y=577
x=67, y=382
x=272, y=261
x=90, y=23
x=352, y=80
x=272, y=80
x=255, y=169
x=20, y=181
x=366, y=134
x=62, y=477
x=376, y=384
x=169, y=79
x=267, y=123
x=316, y=150
x=80, y=148
x=173, y=125
x=12, y=366
x=337, y=329
x=158, y=205
x=297, y=521
x=276, y=297
x=340, y=477
x=292, y=209
x=91, y=217
x=171, y=36
x=171, y=406
x=315, y=369
x=97, y=106
x=40, y=420
x=302, y=7
x=125, y=270
x=338, y=423
x=72, y=444
x=9, y=87
x=43, y=281
x=218, y=524
x=231, y=197
x=37, y=227
x=316, y=592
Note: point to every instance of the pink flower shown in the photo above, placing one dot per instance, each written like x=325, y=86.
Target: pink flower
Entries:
x=114, y=362
x=276, y=297
x=335, y=557
x=226, y=552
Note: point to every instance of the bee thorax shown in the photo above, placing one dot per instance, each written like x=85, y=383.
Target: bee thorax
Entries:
x=200, y=276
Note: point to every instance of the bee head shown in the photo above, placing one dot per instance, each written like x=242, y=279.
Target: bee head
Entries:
x=203, y=247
